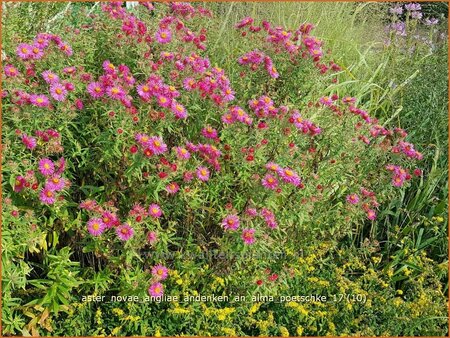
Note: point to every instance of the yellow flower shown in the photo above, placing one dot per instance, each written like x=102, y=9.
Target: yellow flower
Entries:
x=116, y=330
x=118, y=311
x=399, y=292
x=158, y=332
x=299, y=330
x=254, y=308
x=228, y=331
x=98, y=316
x=284, y=332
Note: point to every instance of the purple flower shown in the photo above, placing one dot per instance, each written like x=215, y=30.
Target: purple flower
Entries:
x=160, y=271
x=29, y=141
x=50, y=77
x=47, y=196
x=96, y=226
x=230, y=222
x=163, y=36
x=413, y=7
x=396, y=10
x=24, y=51
x=431, y=21
x=95, y=89
x=55, y=183
x=58, y=91
x=352, y=199
x=203, y=174
x=46, y=167
x=416, y=15
x=248, y=235
x=39, y=100
x=124, y=232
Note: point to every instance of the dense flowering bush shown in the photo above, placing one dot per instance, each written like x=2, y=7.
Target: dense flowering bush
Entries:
x=143, y=152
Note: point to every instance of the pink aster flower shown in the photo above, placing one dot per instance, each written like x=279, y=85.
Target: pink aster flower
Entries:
x=50, y=77
x=163, y=36
x=248, y=235
x=209, y=132
x=160, y=272
x=272, y=166
x=24, y=51
x=244, y=22
x=110, y=219
x=29, y=141
x=46, y=167
x=115, y=92
x=251, y=212
x=95, y=89
x=157, y=145
x=47, y=196
x=289, y=176
x=41, y=41
x=144, y=91
x=398, y=180
x=65, y=48
x=371, y=214
x=182, y=153
x=154, y=210
x=96, y=226
x=172, y=188
x=352, y=199
x=189, y=83
x=203, y=174
x=156, y=290
x=124, y=232
x=19, y=183
x=36, y=52
x=70, y=70
x=178, y=110
x=152, y=237
x=11, y=71
x=108, y=67
x=231, y=222
x=58, y=91
x=55, y=183
x=269, y=182
x=164, y=101
x=39, y=100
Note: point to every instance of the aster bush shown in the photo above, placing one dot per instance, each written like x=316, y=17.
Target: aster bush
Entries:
x=138, y=163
